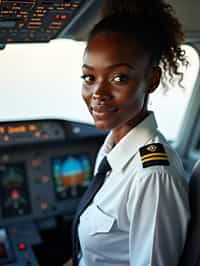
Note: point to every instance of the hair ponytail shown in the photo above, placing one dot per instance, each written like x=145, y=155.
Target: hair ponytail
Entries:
x=154, y=25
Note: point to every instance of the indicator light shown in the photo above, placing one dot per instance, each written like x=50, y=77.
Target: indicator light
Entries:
x=15, y=194
x=22, y=246
x=44, y=206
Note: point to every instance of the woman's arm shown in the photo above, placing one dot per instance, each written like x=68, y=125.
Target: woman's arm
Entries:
x=158, y=211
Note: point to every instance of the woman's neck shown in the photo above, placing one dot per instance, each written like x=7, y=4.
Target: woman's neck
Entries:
x=119, y=132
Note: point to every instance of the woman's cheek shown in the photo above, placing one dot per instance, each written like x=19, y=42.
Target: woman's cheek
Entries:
x=86, y=95
x=86, y=92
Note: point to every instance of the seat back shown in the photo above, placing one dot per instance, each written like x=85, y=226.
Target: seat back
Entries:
x=191, y=253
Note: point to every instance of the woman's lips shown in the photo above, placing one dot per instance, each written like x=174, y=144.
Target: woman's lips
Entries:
x=102, y=112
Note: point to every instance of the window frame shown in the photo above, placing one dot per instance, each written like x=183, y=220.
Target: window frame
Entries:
x=189, y=134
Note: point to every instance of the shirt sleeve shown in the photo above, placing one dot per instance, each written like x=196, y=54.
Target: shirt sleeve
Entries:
x=158, y=212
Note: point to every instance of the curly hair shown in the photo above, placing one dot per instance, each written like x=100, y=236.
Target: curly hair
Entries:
x=155, y=27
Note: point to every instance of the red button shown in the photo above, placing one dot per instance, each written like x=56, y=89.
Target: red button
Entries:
x=15, y=194
x=22, y=246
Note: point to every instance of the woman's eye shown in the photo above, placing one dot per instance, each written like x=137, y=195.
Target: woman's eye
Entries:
x=120, y=78
x=88, y=78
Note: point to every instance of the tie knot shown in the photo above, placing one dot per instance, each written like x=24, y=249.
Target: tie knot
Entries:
x=104, y=167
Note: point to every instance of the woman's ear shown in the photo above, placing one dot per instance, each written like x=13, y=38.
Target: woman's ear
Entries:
x=154, y=79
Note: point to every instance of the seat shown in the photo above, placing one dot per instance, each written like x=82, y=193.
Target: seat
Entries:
x=191, y=253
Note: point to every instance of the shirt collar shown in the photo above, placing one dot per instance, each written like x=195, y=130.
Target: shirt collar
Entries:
x=129, y=145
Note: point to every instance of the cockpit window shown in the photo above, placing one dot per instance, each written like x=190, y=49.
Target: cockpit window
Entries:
x=43, y=81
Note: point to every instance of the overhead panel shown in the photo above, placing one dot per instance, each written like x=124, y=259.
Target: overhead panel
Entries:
x=187, y=12
x=35, y=21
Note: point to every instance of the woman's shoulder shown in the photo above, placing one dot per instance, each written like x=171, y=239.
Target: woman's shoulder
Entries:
x=159, y=158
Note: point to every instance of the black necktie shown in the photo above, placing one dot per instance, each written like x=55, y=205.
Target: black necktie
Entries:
x=93, y=188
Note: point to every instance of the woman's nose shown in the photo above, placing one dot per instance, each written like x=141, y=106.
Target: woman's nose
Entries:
x=101, y=97
x=101, y=93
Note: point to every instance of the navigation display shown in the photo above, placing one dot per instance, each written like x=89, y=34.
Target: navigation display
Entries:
x=71, y=175
x=14, y=190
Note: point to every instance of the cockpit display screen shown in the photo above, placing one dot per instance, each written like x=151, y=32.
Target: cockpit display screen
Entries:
x=71, y=175
x=14, y=191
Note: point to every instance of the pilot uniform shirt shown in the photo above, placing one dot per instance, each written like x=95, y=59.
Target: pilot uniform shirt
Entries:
x=139, y=216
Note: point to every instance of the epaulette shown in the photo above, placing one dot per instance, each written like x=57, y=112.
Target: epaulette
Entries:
x=153, y=154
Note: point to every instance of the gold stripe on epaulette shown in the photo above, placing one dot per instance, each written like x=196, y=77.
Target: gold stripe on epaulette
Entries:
x=154, y=154
x=154, y=159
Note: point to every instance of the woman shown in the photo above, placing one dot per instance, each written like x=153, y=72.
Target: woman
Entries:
x=139, y=216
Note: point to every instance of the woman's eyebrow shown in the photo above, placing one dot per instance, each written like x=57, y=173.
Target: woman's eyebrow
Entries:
x=86, y=66
x=112, y=66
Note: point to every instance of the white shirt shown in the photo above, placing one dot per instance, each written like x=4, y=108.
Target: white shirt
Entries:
x=139, y=217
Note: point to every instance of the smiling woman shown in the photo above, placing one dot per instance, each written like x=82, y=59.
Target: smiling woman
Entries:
x=144, y=191
x=115, y=82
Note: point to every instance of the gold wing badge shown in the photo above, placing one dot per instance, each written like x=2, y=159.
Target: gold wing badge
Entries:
x=153, y=154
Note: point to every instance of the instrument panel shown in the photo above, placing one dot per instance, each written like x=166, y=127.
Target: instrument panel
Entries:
x=14, y=133
x=41, y=177
x=44, y=181
x=43, y=165
x=35, y=20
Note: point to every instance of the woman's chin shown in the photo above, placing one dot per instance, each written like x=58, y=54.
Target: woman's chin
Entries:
x=102, y=125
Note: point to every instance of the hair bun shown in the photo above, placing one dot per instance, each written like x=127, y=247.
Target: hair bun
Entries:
x=155, y=25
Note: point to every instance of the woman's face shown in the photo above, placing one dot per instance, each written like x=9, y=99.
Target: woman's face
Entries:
x=117, y=79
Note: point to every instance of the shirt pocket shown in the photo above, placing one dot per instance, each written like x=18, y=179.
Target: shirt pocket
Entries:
x=102, y=222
